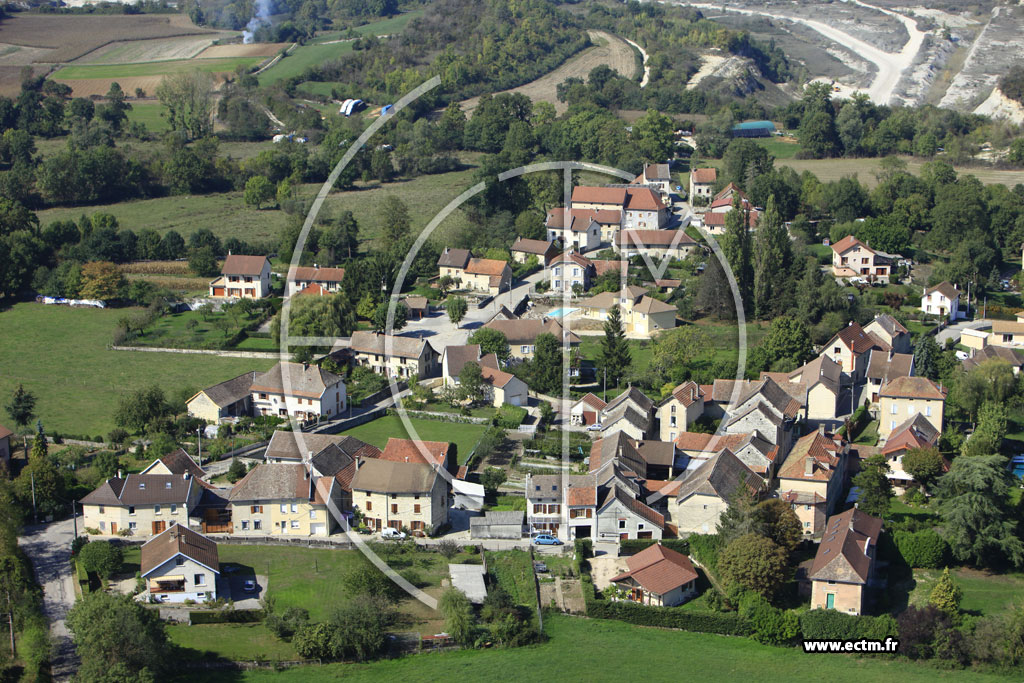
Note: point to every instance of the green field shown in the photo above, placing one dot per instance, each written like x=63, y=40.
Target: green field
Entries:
x=865, y=170
x=240, y=642
x=172, y=331
x=153, y=115
x=325, y=48
x=464, y=436
x=60, y=354
x=219, y=65
x=779, y=148
x=591, y=650
x=226, y=214
x=984, y=593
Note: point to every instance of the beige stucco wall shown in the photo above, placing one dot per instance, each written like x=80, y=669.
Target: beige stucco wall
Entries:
x=203, y=408
x=905, y=409
x=697, y=514
x=847, y=596
x=105, y=516
x=821, y=403
x=377, y=506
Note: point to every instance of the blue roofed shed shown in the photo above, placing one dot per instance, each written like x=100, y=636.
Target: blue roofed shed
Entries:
x=753, y=129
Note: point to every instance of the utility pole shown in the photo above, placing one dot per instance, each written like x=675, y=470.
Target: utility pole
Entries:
x=35, y=515
x=74, y=517
x=199, y=435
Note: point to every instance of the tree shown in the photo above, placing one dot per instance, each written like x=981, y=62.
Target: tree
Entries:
x=754, y=563
x=318, y=316
x=772, y=257
x=22, y=407
x=991, y=381
x=138, y=409
x=188, y=97
x=546, y=367
x=875, y=487
x=458, y=615
x=614, y=358
x=341, y=236
x=101, y=280
x=258, y=191
x=673, y=350
x=946, y=594
x=40, y=448
x=203, y=262
x=360, y=628
x=236, y=471
x=740, y=517
x=42, y=478
x=116, y=631
x=978, y=521
x=923, y=464
x=492, y=478
x=786, y=347
x=456, y=307
x=471, y=383
x=714, y=295
x=313, y=641
x=394, y=218
x=106, y=464
x=380, y=319
x=367, y=580
x=988, y=436
x=926, y=357
x=114, y=111
x=491, y=341
x=737, y=248
x=101, y=557
x=780, y=523
x=654, y=137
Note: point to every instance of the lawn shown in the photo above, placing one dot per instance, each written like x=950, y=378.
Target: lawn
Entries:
x=301, y=58
x=869, y=435
x=239, y=642
x=583, y=649
x=60, y=354
x=865, y=170
x=226, y=214
x=152, y=115
x=984, y=593
x=394, y=24
x=781, y=149
x=464, y=436
x=174, y=331
x=222, y=65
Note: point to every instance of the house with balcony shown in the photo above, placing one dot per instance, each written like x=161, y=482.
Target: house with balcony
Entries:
x=576, y=229
x=853, y=258
x=903, y=397
x=300, y=390
x=654, y=244
x=394, y=356
x=812, y=477
x=916, y=432
x=179, y=564
x=242, y=277
x=141, y=504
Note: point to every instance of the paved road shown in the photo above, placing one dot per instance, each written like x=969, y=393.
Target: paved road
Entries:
x=49, y=548
x=953, y=331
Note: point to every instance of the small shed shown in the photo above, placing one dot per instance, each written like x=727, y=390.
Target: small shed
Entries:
x=495, y=524
x=469, y=578
x=467, y=495
x=753, y=129
x=418, y=306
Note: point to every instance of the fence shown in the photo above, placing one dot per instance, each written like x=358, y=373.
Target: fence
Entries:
x=244, y=450
x=202, y=352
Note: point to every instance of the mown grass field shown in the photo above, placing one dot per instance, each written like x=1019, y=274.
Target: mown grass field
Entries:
x=984, y=593
x=781, y=149
x=865, y=169
x=464, y=436
x=223, y=65
x=153, y=115
x=591, y=650
x=238, y=642
x=394, y=24
x=226, y=214
x=60, y=354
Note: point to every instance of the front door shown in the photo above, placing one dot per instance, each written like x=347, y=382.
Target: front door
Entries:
x=830, y=600
x=623, y=537
x=113, y=528
x=158, y=527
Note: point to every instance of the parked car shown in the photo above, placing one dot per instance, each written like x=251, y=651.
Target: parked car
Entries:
x=546, y=539
x=540, y=567
x=596, y=427
x=249, y=586
x=392, y=533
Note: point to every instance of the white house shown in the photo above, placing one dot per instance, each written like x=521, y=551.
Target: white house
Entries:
x=242, y=277
x=942, y=300
x=576, y=229
x=180, y=564
x=298, y=389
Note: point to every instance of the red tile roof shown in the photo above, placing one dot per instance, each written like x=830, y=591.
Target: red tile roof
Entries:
x=717, y=220
x=849, y=242
x=237, y=264
x=658, y=569
x=654, y=238
x=312, y=289
x=704, y=176
x=407, y=450
x=643, y=199
x=486, y=266
x=586, y=194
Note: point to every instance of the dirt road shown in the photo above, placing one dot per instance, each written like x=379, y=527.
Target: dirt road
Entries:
x=615, y=52
x=890, y=65
x=48, y=546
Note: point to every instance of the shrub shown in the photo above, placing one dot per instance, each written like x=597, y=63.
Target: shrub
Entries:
x=829, y=624
x=755, y=563
x=924, y=548
x=448, y=548
x=772, y=626
x=705, y=549
x=227, y=616
x=285, y=624
x=730, y=624
x=101, y=557
x=77, y=544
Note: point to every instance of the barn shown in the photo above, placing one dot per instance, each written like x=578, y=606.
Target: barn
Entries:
x=753, y=129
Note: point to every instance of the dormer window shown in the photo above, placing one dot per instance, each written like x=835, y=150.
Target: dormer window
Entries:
x=142, y=485
x=167, y=484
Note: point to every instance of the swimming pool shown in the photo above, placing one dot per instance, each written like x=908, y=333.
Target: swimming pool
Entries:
x=1017, y=467
x=562, y=312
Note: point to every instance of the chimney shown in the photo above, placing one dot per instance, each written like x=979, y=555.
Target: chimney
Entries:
x=890, y=354
x=849, y=324
x=184, y=475
x=119, y=475
x=821, y=429
x=809, y=466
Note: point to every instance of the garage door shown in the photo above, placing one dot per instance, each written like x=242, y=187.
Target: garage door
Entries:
x=318, y=529
x=515, y=400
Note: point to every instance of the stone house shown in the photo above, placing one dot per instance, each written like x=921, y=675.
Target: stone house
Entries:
x=299, y=390
x=812, y=477
x=401, y=495
x=393, y=356
x=845, y=562
x=231, y=398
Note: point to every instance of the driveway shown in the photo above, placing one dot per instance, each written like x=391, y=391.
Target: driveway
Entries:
x=953, y=331
x=48, y=546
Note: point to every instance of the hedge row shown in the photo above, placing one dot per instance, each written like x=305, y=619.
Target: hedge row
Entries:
x=724, y=623
x=634, y=545
x=828, y=624
x=227, y=616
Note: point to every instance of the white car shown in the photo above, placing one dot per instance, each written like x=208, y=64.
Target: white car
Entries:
x=858, y=281
x=596, y=427
x=392, y=533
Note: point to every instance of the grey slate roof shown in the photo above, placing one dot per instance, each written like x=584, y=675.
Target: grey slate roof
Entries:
x=291, y=446
x=306, y=380
x=400, y=347
x=232, y=390
x=454, y=258
x=722, y=475
x=273, y=481
x=388, y=476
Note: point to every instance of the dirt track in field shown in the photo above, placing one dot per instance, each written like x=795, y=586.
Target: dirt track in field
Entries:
x=608, y=49
x=240, y=50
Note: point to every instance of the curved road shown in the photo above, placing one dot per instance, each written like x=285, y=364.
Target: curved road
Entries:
x=647, y=68
x=48, y=546
x=891, y=66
